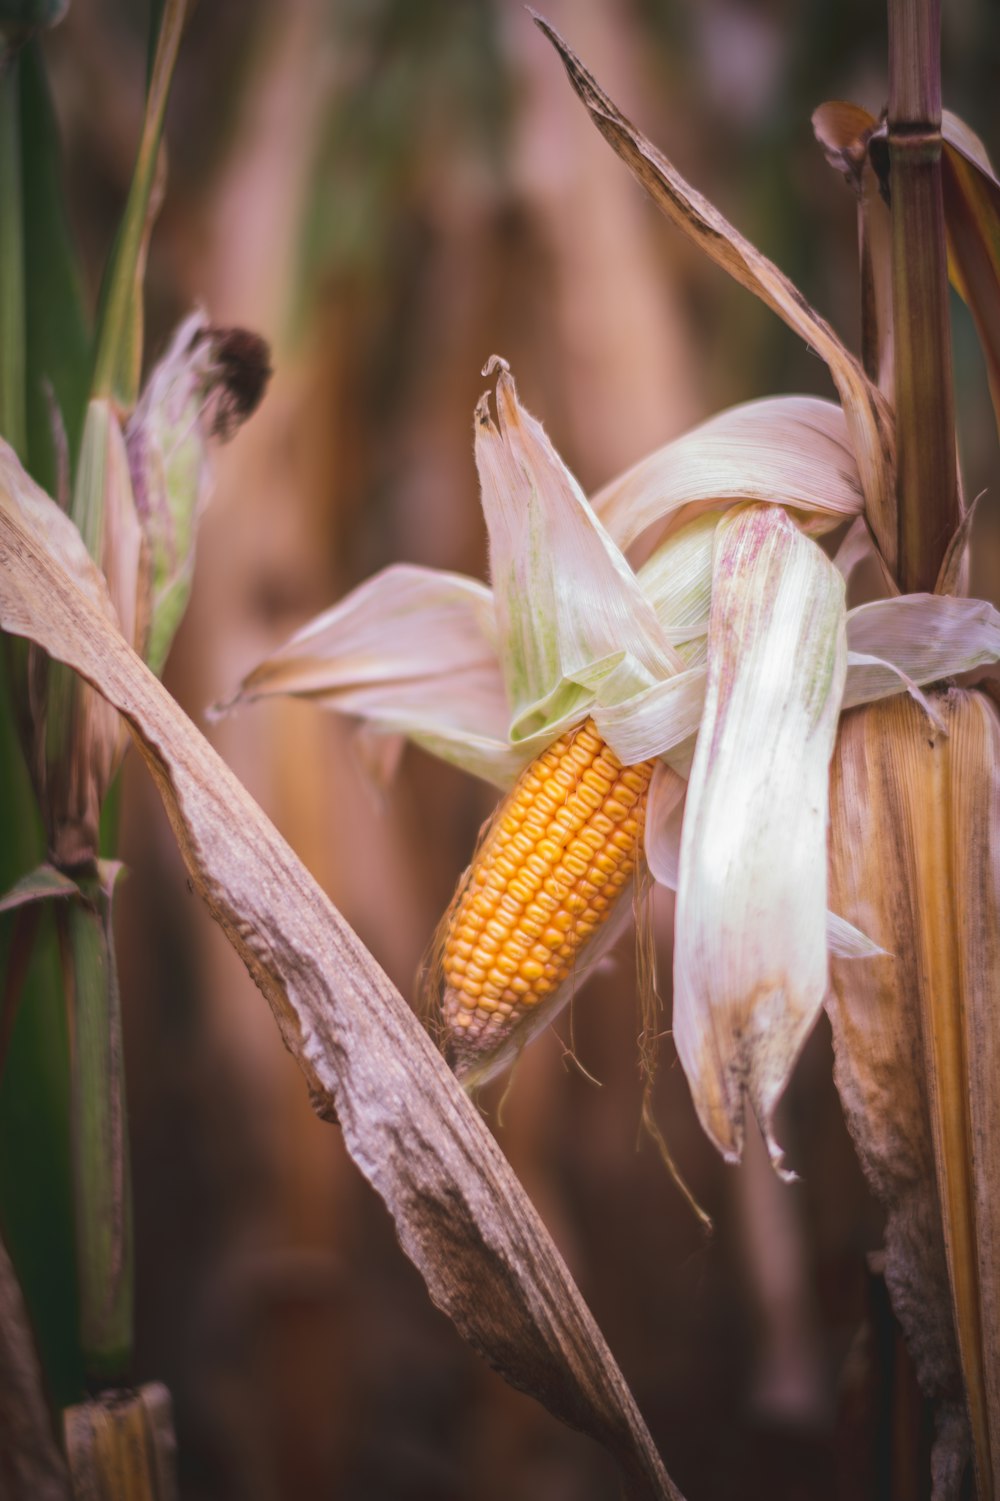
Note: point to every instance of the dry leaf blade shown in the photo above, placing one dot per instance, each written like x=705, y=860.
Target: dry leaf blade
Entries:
x=459, y=1211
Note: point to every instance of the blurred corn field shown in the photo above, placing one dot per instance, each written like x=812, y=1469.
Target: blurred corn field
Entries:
x=388, y=192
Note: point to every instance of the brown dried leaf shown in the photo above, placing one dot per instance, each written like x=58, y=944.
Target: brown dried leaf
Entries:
x=915, y=857
x=972, y=219
x=460, y=1214
x=31, y=1466
x=844, y=131
x=868, y=415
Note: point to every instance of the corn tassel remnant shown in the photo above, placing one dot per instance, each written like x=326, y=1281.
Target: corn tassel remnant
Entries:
x=546, y=878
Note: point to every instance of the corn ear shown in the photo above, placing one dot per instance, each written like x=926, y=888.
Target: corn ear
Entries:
x=548, y=875
x=915, y=858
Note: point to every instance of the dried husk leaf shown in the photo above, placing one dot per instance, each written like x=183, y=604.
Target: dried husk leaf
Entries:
x=915, y=860
x=750, y=965
x=411, y=651
x=31, y=1465
x=869, y=418
x=459, y=1211
x=793, y=451
x=571, y=618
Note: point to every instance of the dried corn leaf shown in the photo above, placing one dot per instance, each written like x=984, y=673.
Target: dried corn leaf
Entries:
x=459, y=1211
x=844, y=131
x=915, y=860
x=869, y=418
x=972, y=219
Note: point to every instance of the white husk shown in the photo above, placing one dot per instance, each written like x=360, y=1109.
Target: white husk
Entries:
x=750, y=947
x=788, y=450
x=570, y=613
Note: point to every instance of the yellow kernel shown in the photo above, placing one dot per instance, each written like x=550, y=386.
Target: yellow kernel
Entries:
x=531, y=969
x=552, y=938
x=576, y=866
x=615, y=809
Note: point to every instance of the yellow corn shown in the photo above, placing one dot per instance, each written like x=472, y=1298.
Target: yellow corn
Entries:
x=556, y=858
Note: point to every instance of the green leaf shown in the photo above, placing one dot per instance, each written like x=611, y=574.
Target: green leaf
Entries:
x=12, y=332
x=59, y=352
x=42, y=885
x=35, y=1195
x=118, y=363
x=99, y=1139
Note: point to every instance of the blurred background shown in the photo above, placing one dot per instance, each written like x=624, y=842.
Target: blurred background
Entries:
x=390, y=191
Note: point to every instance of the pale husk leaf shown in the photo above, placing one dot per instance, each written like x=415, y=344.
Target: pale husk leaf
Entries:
x=793, y=451
x=750, y=948
x=656, y=720
x=926, y=636
x=410, y=652
x=459, y=1212
x=915, y=859
x=570, y=613
x=869, y=418
x=662, y=841
x=677, y=581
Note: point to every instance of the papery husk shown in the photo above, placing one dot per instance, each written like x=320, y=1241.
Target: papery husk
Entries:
x=915, y=859
x=750, y=945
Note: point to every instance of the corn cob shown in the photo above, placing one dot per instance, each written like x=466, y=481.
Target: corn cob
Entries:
x=551, y=867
